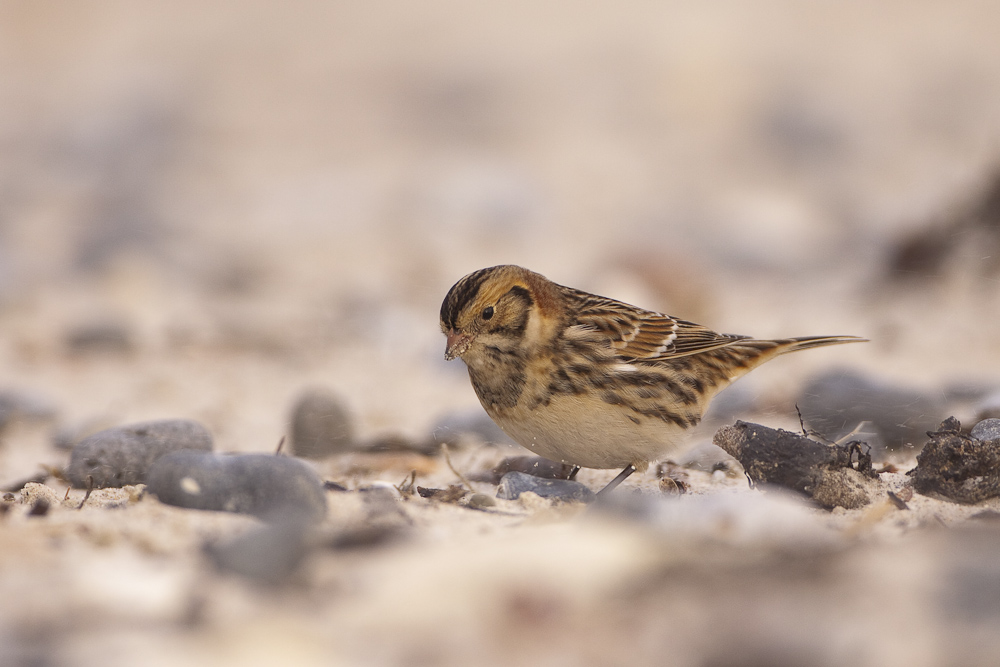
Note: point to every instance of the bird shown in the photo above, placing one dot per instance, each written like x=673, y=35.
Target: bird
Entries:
x=588, y=380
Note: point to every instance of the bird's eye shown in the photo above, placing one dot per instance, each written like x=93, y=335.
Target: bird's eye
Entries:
x=488, y=312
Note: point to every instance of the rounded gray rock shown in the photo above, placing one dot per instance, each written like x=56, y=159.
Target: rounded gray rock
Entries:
x=123, y=454
x=265, y=485
x=986, y=430
x=321, y=426
x=514, y=484
x=270, y=554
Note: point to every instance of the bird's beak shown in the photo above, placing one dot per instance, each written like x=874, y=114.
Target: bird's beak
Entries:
x=457, y=344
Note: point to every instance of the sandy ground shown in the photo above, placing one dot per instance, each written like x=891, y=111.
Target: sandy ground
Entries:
x=249, y=202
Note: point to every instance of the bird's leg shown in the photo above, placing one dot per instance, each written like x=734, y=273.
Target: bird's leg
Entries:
x=629, y=469
x=572, y=473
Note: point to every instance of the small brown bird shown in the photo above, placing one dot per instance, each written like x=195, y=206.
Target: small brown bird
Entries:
x=587, y=380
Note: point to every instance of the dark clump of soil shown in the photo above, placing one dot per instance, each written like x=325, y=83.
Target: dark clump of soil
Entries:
x=832, y=475
x=957, y=466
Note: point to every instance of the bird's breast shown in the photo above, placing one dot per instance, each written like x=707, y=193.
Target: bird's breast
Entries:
x=584, y=430
x=498, y=376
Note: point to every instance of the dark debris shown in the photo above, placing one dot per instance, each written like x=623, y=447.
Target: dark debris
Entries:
x=957, y=466
x=529, y=465
x=832, y=475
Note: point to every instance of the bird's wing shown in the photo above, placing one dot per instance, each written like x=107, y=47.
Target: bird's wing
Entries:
x=642, y=335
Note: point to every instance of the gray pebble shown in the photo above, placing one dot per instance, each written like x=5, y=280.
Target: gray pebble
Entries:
x=367, y=536
x=481, y=501
x=321, y=425
x=835, y=403
x=514, y=484
x=267, y=486
x=270, y=554
x=986, y=430
x=123, y=454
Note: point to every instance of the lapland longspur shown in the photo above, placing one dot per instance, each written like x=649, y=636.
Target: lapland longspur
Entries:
x=587, y=380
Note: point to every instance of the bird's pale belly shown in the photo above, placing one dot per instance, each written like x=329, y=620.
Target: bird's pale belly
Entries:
x=583, y=431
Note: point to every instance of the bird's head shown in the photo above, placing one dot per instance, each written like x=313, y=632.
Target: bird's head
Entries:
x=504, y=307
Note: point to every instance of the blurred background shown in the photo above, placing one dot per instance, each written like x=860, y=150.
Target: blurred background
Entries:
x=204, y=205
x=207, y=208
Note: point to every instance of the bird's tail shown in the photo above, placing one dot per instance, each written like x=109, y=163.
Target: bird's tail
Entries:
x=722, y=365
x=748, y=353
x=786, y=345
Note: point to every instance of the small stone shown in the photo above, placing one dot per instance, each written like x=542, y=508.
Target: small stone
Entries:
x=957, y=467
x=897, y=501
x=514, y=484
x=267, y=486
x=382, y=506
x=321, y=425
x=452, y=494
x=671, y=487
x=366, y=537
x=835, y=403
x=122, y=455
x=986, y=430
x=673, y=479
x=531, y=465
x=270, y=554
x=480, y=501
x=380, y=488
